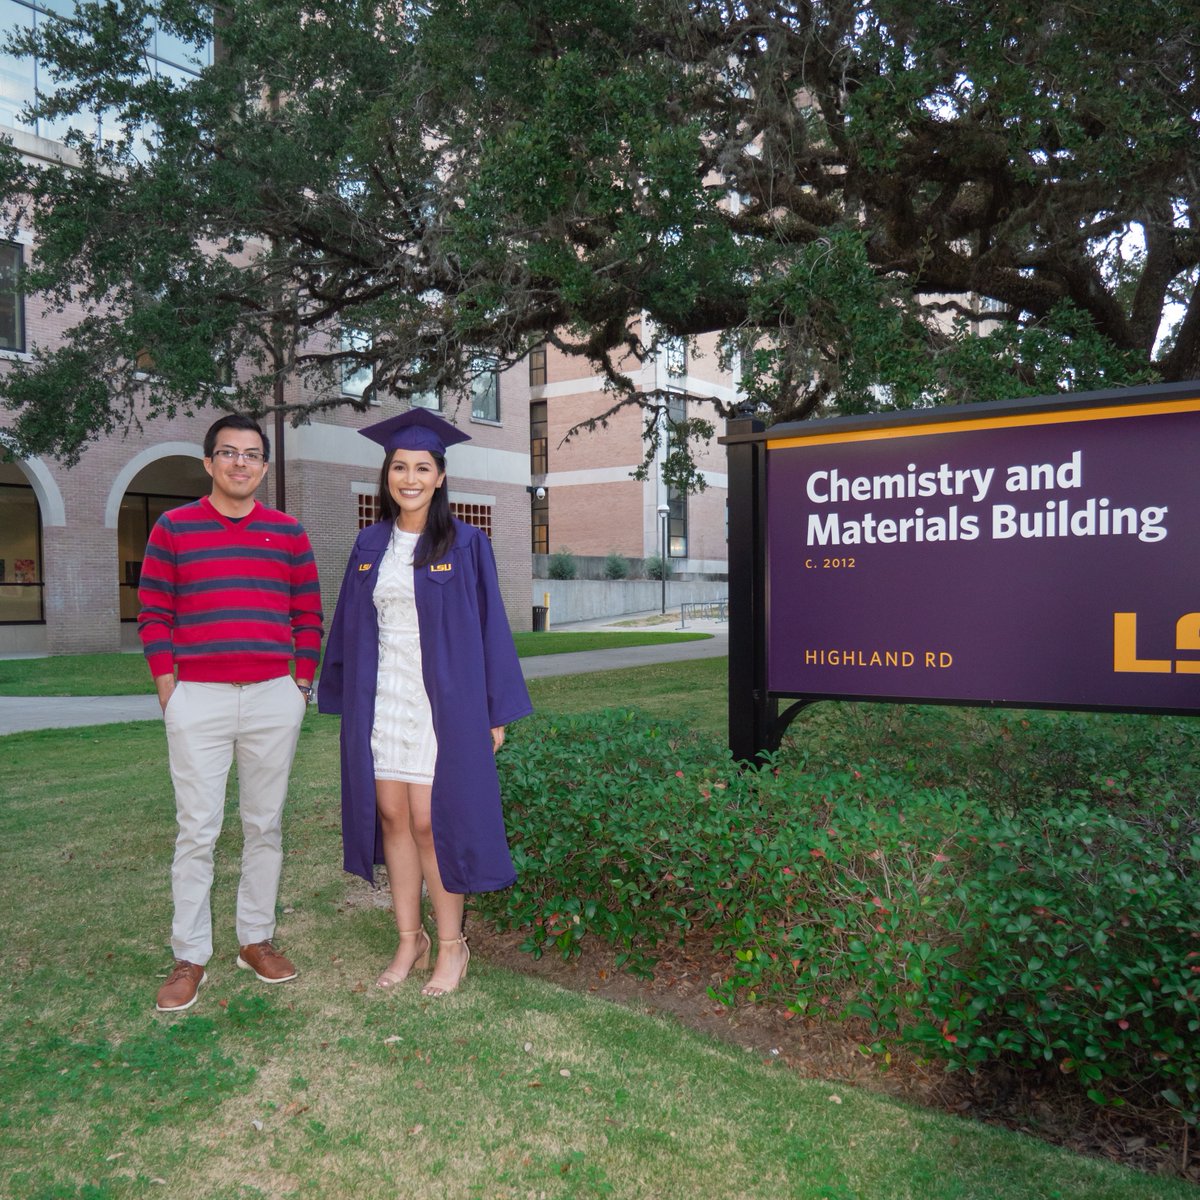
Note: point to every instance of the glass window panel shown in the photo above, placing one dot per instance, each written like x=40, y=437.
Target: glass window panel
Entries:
x=368, y=510
x=537, y=366
x=540, y=524
x=180, y=77
x=56, y=130
x=17, y=75
x=355, y=380
x=428, y=398
x=12, y=303
x=20, y=604
x=134, y=522
x=538, y=443
x=676, y=355
x=676, y=414
x=20, y=556
x=132, y=531
x=479, y=515
x=677, y=530
x=157, y=505
x=175, y=50
x=485, y=392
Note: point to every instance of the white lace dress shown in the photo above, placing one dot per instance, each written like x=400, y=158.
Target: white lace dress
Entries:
x=403, y=744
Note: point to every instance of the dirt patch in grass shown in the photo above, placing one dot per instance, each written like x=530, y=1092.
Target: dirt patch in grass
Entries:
x=1042, y=1106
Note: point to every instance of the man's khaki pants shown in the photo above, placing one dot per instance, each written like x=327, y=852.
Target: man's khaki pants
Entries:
x=207, y=723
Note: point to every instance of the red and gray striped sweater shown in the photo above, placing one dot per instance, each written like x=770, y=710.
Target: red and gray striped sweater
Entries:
x=229, y=601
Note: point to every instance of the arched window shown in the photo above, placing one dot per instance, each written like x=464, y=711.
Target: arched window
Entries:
x=21, y=579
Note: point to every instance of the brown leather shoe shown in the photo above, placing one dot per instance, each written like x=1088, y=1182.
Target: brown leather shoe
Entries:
x=266, y=962
x=183, y=983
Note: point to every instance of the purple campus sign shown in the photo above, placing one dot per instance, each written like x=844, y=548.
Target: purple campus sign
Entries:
x=1047, y=555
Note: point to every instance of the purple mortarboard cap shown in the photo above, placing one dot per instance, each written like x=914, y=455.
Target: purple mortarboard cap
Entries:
x=417, y=429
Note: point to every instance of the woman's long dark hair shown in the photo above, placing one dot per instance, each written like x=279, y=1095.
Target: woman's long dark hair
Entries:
x=438, y=535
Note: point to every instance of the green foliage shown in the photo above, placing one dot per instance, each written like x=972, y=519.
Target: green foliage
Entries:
x=456, y=179
x=654, y=566
x=616, y=566
x=562, y=565
x=1062, y=352
x=1046, y=921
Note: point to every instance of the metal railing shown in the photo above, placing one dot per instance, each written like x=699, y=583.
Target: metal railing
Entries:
x=715, y=609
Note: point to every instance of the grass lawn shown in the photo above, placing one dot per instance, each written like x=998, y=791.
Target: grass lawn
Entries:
x=126, y=674
x=530, y=645
x=326, y=1088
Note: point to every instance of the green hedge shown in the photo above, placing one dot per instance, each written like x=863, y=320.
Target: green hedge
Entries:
x=1048, y=916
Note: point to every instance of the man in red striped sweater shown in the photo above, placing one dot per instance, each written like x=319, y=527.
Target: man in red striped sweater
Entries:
x=229, y=597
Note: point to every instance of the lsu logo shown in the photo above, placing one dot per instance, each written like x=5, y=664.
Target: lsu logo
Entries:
x=439, y=567
x=365, y=566
x=1125, y=653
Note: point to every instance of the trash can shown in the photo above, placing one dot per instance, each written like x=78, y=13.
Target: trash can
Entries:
x=540, y=612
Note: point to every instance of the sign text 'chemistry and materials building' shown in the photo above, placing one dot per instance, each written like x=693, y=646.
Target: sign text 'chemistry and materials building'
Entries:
x=1043, y=553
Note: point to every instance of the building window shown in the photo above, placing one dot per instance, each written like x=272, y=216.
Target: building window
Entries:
x=677, y=520
x=485, y=391
x=368, y=510
x=20, y=556
x=677, y=524
x=225, y=362
x=675, y=352
x=430, y=398
x=537, y=366
x=676, y=410
x=12, y=303
x=356, y=378
x=540, y=523
x=479, y=515
x=22, y=80
x=538, y=457
x=138, y=514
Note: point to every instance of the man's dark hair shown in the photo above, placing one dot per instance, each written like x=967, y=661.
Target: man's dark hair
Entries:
x=235, y=421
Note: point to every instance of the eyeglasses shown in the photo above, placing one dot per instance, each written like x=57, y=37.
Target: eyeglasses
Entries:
x=254, y=457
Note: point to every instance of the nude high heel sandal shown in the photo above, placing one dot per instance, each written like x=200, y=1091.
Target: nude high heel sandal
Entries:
x=434, y=990
x=390, y=978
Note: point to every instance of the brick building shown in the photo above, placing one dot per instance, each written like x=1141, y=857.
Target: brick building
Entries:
x=72, y=540
x=592, y=505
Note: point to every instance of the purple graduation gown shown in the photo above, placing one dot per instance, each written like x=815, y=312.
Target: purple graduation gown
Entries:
x=474, y=682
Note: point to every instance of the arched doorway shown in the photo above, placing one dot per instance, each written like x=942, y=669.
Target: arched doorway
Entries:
x=161, y=484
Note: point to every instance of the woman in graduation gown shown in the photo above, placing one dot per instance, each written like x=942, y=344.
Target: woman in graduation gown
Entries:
x=420, y=664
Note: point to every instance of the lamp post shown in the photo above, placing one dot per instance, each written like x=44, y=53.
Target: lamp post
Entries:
x=663, y=511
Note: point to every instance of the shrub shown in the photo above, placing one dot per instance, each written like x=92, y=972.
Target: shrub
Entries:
x=562, y=565
x=652, y=567
x=615, y=566
x=1061, y=935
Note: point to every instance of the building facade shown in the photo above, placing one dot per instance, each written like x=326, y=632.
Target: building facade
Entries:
x=591, y=504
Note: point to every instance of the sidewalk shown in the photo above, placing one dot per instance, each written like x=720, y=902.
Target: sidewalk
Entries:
x=20, y=714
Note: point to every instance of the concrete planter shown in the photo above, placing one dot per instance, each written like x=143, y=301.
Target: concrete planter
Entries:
x=597, y=599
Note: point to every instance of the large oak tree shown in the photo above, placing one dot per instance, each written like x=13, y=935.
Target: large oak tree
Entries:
x=897, y=203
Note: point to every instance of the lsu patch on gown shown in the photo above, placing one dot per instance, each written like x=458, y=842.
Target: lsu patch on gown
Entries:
x=474, y=682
